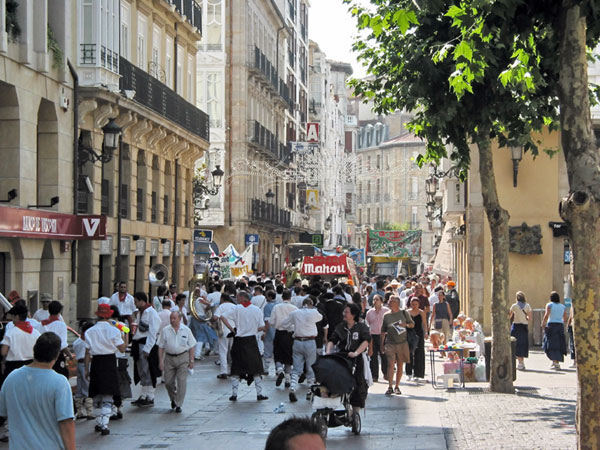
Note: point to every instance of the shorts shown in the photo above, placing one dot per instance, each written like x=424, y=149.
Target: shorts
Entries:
x=399, y=353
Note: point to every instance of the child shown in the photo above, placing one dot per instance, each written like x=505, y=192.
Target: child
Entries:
x=83, y=403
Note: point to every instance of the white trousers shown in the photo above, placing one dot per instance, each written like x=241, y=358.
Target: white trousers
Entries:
x=224, y=343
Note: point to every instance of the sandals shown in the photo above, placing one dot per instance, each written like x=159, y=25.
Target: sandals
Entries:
x=397, y=391
x=390, y=391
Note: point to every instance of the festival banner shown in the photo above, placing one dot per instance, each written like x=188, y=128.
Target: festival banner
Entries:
x=394, y=244
x=230, y=253
x=358, y=256
x=243, y=265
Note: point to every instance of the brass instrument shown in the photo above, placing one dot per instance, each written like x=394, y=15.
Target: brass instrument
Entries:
x=158, y=275
x=206, y=315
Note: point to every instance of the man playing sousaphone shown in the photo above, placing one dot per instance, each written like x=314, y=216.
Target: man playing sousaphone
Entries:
x=200, y=323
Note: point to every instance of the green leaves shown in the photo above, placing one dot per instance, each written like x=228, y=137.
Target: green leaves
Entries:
x=465, y=50
x=403, y=18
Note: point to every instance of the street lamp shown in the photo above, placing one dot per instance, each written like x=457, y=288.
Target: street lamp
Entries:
x=270, y=196
x=202, y=190
x=328, y=222
x=516, y=154
x=431, y=185
x=86, y=153
x=217, y=176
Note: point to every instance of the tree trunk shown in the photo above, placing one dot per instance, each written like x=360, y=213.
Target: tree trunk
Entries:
x=581, y=211
x=501, y=371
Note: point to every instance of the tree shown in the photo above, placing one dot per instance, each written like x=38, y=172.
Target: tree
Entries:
x=419, y=61
x=528, y=55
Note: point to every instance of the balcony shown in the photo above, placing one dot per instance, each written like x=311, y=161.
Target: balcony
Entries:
x=153, y=94
x=190, y=9
x=268, y=73
x=261, y=211
x=263, y=138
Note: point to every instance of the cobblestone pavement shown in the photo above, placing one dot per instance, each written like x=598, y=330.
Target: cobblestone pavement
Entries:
x=422, y=418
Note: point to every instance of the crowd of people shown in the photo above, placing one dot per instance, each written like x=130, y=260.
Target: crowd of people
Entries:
x=253, y=324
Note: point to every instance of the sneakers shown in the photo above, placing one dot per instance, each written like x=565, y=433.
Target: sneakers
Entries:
x=521, y=366
x=280, y=377
x=261, y=397
x=555, y=366
x=138, y=401
x=409, y=377
x=146, y=403
x=293, y=397
x=177, y=409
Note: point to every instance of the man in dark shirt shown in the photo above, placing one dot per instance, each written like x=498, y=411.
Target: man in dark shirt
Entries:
x=452, y=298
x=334, y=310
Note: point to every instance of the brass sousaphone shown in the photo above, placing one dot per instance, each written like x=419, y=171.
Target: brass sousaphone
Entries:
x=206, y=313
x=159, y=273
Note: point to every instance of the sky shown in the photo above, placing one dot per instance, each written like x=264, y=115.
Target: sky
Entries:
x=332, y=27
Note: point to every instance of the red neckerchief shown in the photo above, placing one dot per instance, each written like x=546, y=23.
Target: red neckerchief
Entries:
x=246, y=303
x=25, y=326
x=122, y=297
x=50, y=319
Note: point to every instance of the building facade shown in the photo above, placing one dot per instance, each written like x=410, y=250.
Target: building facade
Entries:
x=36, y=173
x=254, y=50
x=331, y=168
x=137, y=65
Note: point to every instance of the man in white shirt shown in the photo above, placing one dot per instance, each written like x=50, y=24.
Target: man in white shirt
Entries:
x=144, y=351
x=214, y=295
x=164, y=314
x=103, y=341
x=42, y=313
x=246, y=362
x=304, y=322
x=176, y=345
x=225, y=311
x=124, y=301
x=299, y=297
x=283, y=342
x=18, y=341
x=58, y=327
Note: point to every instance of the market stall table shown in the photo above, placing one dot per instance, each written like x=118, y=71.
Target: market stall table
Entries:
x=461, y=372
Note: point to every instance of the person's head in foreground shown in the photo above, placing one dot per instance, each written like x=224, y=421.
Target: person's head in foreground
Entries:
x=297, y=433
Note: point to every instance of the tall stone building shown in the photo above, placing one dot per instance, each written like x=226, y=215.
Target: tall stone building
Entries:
x=257, y=47
x=37, y=215
x=136, y=62
x=335, y=158
x=390, y=187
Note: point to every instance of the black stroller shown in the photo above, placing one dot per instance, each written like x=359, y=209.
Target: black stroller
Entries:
x=331, y=396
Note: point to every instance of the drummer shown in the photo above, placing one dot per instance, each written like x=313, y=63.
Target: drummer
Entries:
x=353, y=337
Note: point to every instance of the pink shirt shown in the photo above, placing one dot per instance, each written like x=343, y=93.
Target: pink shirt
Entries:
x=375, y=319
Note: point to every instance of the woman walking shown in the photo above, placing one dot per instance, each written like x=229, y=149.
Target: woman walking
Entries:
x=553, y=323
x=415, y=369
x=441, y=316
x=520, y=314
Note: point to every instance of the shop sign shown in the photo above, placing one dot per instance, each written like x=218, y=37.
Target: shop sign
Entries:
x=37, y=224
x=125, y=246
x=325, y=265
x=140, y=247
x=312, y=132
x=154, y=247
x=167, y=248
x=203, y=236
x=251, y=239
x=106, y=246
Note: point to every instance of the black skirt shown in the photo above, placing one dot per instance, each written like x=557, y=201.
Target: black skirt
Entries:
x=283, y=346
x=136, y=350
x=521, y=334
x=104, y=379
x=246, y=361
x=60, y=366
x=124, y=378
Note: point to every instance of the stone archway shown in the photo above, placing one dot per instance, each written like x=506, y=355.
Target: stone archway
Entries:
x=10, y=131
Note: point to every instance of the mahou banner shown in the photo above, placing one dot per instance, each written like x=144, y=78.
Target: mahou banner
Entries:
x=325, y=265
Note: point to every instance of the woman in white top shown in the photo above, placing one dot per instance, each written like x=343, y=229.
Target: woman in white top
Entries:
x=520, y=314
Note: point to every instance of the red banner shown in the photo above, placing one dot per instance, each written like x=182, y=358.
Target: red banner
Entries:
x=37, y=224
x=325, y=265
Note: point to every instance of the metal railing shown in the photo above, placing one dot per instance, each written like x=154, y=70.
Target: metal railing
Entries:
x=155, y=95
x=259, y=61
x=262, y=211
x=190, y=9
x=88, y=53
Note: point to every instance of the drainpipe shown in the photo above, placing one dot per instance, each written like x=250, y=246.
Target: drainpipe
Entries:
x=229, y=113
x=174, y=267
x=75, y=162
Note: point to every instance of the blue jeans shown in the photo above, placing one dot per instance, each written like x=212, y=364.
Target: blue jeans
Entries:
x=305, y=353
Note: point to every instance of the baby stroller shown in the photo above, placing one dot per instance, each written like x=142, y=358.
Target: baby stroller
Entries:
x=331, y=396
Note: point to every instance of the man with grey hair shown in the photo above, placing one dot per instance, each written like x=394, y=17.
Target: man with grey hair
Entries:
x=246, y=362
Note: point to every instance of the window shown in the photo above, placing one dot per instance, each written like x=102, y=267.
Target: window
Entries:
x=153, y=211
x=88, y=22
x=125, y=21
x=214, y=98
x=414, y=189
x=141, y=42
x=140, y=205
x=105, y=199
x=214, y=26
x=169, y=62
x=179, y=70
x=414, y=217
x=190, y=84
x=124, y=212
x=166, y=210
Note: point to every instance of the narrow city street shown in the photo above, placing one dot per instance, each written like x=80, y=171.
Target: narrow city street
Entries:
x=540, y=416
